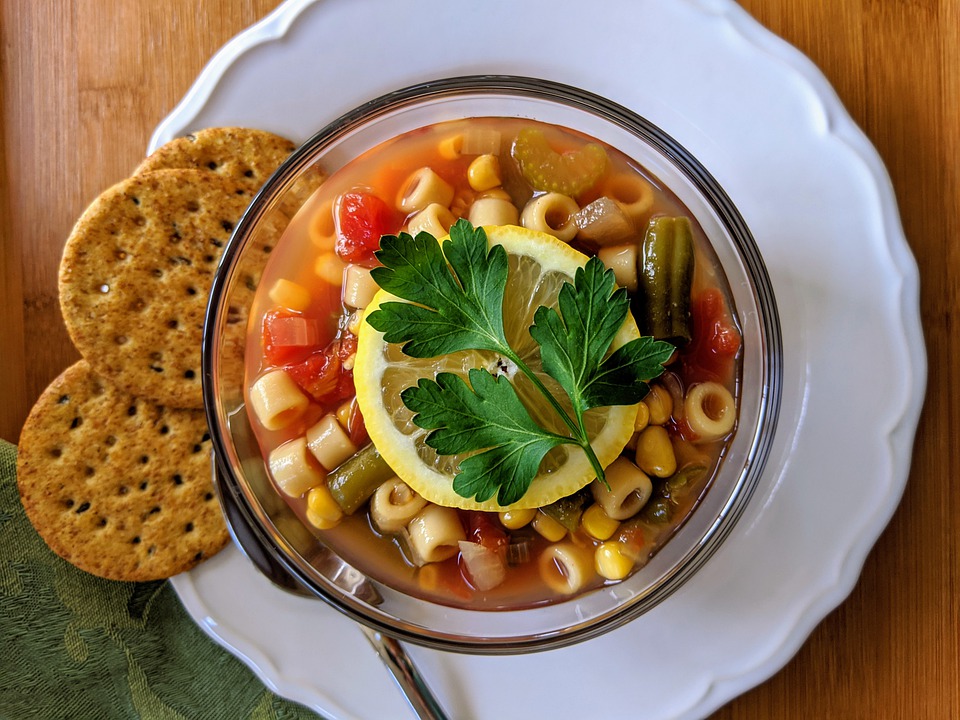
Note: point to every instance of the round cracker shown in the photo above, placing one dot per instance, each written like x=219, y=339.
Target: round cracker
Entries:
x=245, y=155
x=116, y=485
x=136, y=273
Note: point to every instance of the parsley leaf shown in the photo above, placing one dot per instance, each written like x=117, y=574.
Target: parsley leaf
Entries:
x=458, y=307
x=575, y=336
x=486, y=416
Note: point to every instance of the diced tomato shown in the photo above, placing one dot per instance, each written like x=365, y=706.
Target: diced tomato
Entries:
x=323, y=377
x=715, y=343
x=289, y=337
x=482, y=529
x=361, y=219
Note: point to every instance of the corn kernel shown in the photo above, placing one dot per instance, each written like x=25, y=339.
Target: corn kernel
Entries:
x=611, y=562
x=597, y=523
x=516, y=519
x=349, y=361
x=484, y=173
x=655, y=454
x=343, y=413
x=290, y=295
x=450, y=147
x=353, y=323
x=329, y=268
x=548, y=527
x=323, y=512
x=643, y=417
x=660, y=404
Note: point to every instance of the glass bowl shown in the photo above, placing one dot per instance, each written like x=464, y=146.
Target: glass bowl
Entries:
x=241, y=476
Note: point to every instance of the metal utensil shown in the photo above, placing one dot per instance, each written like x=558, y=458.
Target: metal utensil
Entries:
x=411, y=683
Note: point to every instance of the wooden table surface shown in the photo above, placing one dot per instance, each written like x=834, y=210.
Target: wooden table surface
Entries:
x=84, y=82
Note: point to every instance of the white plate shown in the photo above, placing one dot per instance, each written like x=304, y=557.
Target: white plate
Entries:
x=813, y=190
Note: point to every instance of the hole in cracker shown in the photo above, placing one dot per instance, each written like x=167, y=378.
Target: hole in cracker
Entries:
x=83, y=508
x=193, y=206
x=227, y=225
x=157, y=273
x=172, y=324
x=104, y=288
x=76, y=422
x=241, y=192
x=135, y=199
x=155, y=355
x=154, y=510
x=120, y=254
x=110, y=440
x=189, y=374
x=249, y=283
x=63, y=399
x=177, y=479
x=212, y=165
x=156, y=368
x=123, y=490
x=206, y=436
x=267, y=249
x=132, y=410
x=234, y=315
x=208, y=258
x=151, y=550
x=208, y=497
x=191, y=290
x=102, y=522
x=144, y=485
x=121, y=339
x=248, y=173
x=139, y=221
x=68, y=502
x=144, y=459
x=56, y=452
x=197, y=448
x=164, y=429
x=188, y=527
x=216, y=243
x=199, y=556
x=136, y=540
x=89, y=471
x=180, y=260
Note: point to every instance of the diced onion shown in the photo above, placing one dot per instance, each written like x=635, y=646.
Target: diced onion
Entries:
x=485, y=568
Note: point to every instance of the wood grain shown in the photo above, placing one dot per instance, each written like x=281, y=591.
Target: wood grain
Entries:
x=84, y=82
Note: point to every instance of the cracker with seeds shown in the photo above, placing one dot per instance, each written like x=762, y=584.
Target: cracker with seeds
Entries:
x=136, y=273
x=115, y=484
x=245, y=155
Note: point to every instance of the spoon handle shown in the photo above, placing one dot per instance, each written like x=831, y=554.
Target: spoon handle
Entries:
x=414, y=688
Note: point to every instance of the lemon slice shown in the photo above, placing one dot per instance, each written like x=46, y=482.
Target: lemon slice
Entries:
x=539, y=264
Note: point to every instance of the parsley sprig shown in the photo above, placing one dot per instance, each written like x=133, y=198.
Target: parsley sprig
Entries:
x=454, y=295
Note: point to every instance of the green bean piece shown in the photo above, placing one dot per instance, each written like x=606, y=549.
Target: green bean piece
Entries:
x=662, y=302
x=658, y=510
x=567, y=510
x=356, y=478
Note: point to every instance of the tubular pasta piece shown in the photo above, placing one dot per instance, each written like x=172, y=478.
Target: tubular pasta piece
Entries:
x=435, y=534
x=291, y=469
x=276, y=400
x=565, y=567
x=551, y=213
x=710, y=410
x=630, y=489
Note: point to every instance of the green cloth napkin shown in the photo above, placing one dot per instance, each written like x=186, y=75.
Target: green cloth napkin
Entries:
x=76, y=646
